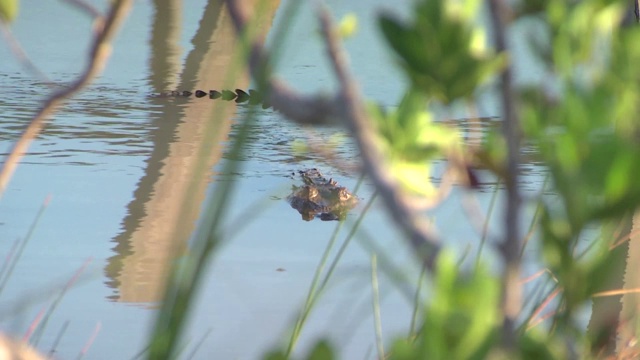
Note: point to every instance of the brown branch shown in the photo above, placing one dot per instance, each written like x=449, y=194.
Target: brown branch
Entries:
x=86, y=8
x=510, y=247
x=100, y=51
x=347, y=105
x=423, y=241
x=295, y=106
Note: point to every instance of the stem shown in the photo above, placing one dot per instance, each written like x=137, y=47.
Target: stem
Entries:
x=510, y=247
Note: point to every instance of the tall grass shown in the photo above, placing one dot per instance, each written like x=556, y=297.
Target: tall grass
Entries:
x=15, y=254
x=319, y=283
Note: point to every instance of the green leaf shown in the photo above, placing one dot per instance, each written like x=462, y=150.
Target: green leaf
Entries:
x=414, y=177
x=276, y=355
x=348, y=25
x=8, y=10
x=442, y=51
x=462, y=319
x=411, y=141
x=322, y=351
x=403, y=40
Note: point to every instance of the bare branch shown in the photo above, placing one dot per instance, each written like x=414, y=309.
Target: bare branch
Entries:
x=100, y=51
x=423, y=240
x=86, y=8
x=297, y=107
x=347, y=106
x=510, y=247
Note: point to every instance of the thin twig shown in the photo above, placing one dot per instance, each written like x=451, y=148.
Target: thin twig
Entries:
x=100, y=52
x=21, y=55
x=297, y=107
x=19, y=247
x=90, y=341
x=376, y=307
x=56, y=341
x=423, y=241
x=54, y=305
x=34, y=325
x=616, y=292
x=86, y=8
x=510, y=247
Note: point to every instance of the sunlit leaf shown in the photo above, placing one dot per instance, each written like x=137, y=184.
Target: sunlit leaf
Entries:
x=442, y=52
x=610, y=17
x=8, y=10
x=299, y=147
x=348, y=25
x=337, y=139
x=414, y=177
x=322, y=351
x=478, y=44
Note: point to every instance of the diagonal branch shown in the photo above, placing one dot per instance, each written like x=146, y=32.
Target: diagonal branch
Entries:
x=347, y=106
x=303, y=109
x=99, y=54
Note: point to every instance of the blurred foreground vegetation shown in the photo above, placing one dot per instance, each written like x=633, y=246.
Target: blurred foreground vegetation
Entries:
x=581, y=119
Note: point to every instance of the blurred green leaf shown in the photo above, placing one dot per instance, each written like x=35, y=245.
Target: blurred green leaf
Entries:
x=462, y=319
x=411, y=141
x=322, y=351
x=539, y=345
x=8, y=10
x=276, y=355
x=348, y=25
x=443, y=54
x=403, y=40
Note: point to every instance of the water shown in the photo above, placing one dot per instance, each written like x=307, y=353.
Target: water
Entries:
x=118, y=167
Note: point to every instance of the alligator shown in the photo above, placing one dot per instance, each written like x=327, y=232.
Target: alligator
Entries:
x=319, y=197
x=240, y=96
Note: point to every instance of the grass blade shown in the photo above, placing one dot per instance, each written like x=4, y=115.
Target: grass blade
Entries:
x=376, y=307
x=8, y=270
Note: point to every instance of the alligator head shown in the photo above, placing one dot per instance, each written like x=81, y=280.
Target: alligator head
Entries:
x=321, y=197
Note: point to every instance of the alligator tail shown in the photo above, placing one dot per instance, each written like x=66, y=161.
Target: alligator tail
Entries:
x=239, y=96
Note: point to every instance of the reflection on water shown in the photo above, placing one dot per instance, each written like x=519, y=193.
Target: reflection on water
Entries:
x=271, y=146
x=167, y=201
x=97, y=120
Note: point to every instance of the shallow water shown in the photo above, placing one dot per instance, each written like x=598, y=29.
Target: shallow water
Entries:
x=119, y=167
